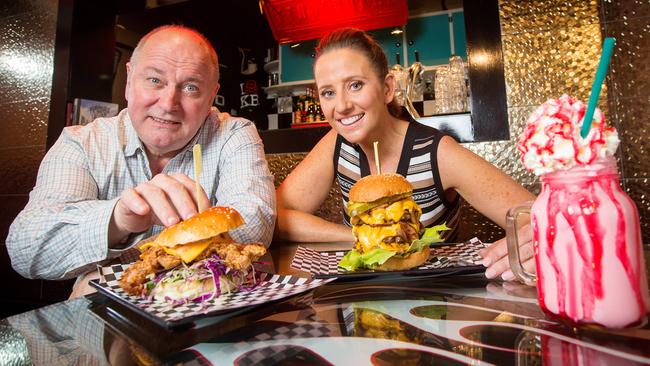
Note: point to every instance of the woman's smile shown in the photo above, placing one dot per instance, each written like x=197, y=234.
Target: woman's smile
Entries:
x=348, y=121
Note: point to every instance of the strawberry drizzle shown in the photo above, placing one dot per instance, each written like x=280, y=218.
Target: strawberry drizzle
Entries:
x=556, y=121
x=577, y=202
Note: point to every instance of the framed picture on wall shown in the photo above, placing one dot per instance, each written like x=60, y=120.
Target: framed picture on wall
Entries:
x=87, y=110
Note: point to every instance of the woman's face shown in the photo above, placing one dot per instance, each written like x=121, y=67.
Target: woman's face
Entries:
x=352, y=96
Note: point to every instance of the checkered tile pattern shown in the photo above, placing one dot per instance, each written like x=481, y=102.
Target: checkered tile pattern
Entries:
x=460, y=255
x=296, y=330
x=348, y=320
x=325, y=264
x=273, y=355
x=272, y=287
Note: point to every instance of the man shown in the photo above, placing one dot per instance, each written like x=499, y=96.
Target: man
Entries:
x=104, y=186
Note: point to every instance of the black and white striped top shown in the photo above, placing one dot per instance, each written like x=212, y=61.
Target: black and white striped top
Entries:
x=418, y=163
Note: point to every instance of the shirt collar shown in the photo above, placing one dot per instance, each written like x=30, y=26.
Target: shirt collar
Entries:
x=133, y=143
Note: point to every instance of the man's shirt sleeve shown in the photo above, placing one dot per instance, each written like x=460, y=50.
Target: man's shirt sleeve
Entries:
x=63, y=230
x=246, y=184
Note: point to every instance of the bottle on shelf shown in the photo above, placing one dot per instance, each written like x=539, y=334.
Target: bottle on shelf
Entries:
x=311, y=111
x=299, y=115
x=320, y=117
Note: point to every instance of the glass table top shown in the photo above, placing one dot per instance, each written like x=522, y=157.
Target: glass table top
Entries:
x=460, y=320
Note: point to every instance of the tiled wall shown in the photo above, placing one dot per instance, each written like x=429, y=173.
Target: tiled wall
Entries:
x=629, y=96
x=26, y=65
x=553, y=47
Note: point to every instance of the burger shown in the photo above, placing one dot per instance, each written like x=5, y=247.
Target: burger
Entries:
x=194, y=260
x=386, y=226
x=370, y=323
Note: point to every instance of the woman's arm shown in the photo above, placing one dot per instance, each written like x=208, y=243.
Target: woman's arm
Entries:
x=303, y=192
x=481, y=184
x=492, y=193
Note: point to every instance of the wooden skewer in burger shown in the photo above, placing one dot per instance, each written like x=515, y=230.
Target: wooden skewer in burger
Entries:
x=386, y=224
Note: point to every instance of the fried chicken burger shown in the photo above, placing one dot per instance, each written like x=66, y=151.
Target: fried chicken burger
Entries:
x=386, y=225
x=194, y=260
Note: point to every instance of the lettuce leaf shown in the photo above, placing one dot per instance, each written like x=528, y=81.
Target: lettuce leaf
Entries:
x=431, y=235
x=354, y=260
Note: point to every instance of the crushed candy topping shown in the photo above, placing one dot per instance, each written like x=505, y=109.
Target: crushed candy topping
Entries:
x=551, y=139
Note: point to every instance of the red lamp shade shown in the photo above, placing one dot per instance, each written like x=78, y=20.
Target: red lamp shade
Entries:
x=299, y=20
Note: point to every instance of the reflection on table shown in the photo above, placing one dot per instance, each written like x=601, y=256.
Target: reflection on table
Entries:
x=413, y=321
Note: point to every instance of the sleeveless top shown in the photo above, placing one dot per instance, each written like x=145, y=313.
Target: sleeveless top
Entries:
x=418, y=162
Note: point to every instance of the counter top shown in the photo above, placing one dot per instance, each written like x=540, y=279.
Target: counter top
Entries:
x=413, y=321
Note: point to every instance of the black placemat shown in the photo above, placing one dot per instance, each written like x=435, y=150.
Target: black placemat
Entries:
x=444, y=259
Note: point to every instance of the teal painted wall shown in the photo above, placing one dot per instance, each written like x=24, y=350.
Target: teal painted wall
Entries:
x=430, y=36
x=297, y=62
x=460, y=43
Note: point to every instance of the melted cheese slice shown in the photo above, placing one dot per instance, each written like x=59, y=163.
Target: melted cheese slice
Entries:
x=369, y=238
x=188, y=252
x=392, y=213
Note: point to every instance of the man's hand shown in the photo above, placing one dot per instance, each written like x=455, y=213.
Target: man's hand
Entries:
x=495, y=257
x=164, y=200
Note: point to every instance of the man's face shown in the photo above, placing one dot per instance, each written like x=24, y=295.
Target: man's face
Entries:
x=170, y=88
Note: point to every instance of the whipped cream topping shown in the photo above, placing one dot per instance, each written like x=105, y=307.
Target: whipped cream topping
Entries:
x=551, y=139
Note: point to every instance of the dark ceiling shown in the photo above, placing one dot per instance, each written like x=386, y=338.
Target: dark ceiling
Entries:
x=229, y=24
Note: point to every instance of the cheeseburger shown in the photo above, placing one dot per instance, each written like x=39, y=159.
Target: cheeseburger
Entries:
x=194, y=260
x=386, y=225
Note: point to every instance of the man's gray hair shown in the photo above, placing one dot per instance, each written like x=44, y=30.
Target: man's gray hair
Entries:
x=214, y=60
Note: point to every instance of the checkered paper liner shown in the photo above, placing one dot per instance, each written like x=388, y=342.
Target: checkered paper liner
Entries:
x=443, y=258
x=279, y=354
x=272, y=287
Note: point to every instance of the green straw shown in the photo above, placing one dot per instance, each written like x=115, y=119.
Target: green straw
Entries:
x=605, y=56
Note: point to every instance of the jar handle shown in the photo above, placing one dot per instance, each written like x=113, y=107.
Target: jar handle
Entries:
x=512, y=239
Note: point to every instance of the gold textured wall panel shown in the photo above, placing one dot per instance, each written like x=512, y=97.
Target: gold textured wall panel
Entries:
x=282, y=164
x=629, y=96
x=553, y=47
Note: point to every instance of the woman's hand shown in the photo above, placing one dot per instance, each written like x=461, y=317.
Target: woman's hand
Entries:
x=495, y=257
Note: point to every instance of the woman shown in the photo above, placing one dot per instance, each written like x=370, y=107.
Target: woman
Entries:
x=356, y=95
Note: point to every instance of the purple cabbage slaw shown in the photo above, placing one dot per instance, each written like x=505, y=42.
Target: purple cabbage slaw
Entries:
x=214, y=267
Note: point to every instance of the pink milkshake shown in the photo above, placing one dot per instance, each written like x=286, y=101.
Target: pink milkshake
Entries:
x=590, y=266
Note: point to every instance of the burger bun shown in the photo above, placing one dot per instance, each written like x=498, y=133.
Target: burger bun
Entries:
x=205, y=225
x=376, y=186
x=396, y=263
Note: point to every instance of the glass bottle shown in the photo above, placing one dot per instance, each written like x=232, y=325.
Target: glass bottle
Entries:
x=401, y=76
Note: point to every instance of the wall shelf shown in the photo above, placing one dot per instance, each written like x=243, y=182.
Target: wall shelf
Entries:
x=287, y=89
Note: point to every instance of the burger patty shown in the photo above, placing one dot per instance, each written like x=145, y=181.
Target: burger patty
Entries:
x=405, y=234
x=372, y=220
x=154, y=260
x=236, y=256
x=395, y=237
